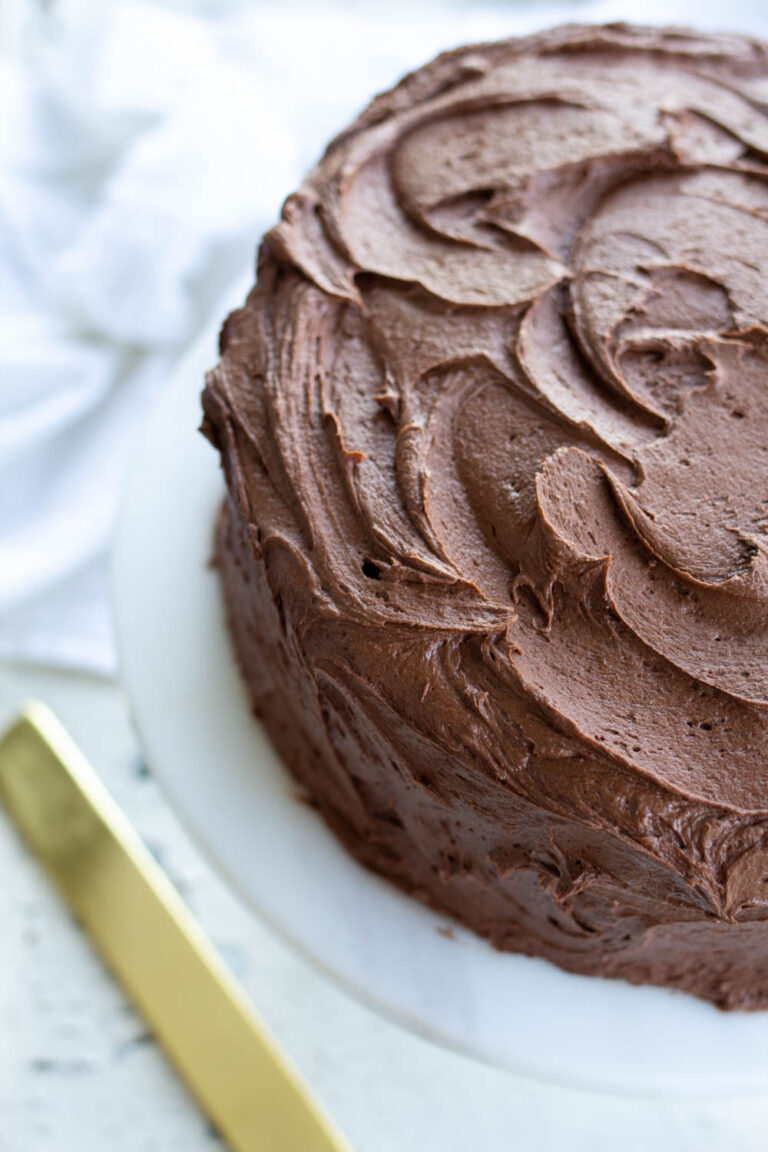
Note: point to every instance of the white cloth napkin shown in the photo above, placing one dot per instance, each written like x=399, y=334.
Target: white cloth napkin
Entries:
x=143, y=150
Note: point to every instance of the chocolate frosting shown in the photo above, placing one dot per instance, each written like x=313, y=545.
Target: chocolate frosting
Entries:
x=495, y=427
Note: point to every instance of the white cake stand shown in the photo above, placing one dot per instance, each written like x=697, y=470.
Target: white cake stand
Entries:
x=229, y=788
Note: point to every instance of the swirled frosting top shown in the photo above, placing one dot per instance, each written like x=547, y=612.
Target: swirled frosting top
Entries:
x=508, y=381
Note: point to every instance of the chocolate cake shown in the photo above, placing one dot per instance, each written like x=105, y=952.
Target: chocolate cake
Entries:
x=494, y=423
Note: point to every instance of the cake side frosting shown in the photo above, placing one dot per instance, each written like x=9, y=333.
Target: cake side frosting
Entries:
x=495, y=429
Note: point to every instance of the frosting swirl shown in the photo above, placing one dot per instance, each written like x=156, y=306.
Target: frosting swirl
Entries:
x=496, y=412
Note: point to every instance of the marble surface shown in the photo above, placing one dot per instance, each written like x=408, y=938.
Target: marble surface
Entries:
x=78, y=1071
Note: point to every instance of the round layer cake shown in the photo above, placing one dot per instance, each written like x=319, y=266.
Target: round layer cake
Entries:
x=494, y=423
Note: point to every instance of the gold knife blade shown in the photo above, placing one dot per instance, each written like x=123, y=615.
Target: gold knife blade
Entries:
x=149, y=938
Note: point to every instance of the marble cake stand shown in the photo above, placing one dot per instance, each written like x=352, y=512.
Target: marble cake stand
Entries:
x=227, y=785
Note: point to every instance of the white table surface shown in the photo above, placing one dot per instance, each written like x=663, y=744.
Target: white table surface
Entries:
x=78, y=1072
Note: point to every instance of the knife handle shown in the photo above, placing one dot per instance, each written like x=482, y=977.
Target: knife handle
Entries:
x=145, y=932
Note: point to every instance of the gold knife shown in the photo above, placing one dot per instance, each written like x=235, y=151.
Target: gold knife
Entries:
x=147, y=935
